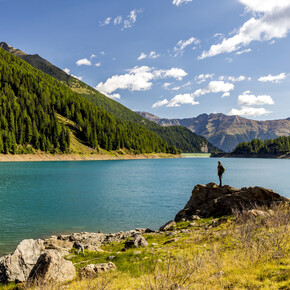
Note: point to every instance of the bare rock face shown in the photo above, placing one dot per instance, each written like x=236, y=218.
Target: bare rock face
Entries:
x=51, y=267
x=90, y=271
x=17, y=266
x=212, y=200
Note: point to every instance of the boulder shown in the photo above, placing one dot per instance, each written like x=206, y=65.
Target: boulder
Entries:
x=17, y=266
x=90, y=271
x=51, y=267
x=212, y=200
x=137, y=241
x=167, y=226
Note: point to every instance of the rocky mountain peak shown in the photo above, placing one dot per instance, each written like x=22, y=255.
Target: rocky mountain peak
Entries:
x=11, y=49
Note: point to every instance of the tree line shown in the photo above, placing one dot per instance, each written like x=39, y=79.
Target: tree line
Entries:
x=30, y=101
x=277, y=146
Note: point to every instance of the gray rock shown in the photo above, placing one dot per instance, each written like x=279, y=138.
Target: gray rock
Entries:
x=17, y=266
x=51, y=267
x=137, y=241
x=167, y=226
x=90, y=271
x=212, y=200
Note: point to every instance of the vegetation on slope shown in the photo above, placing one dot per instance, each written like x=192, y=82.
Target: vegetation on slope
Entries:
x=181, y=138
x=271, y=147
x=246, y=252
x=30, y=100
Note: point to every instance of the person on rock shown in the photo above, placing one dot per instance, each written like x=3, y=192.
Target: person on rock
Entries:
x=221, y=169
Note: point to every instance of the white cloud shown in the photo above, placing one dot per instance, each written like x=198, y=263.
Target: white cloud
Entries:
x=93, y=56
x=203, y=77
x=182, y=44
x=227, y=94
x=105, y=22
x=113, y=96
x=274, y=79
x=138, y=79
x=98, y=64
x=215, y=87
x=175, y=88
x=246, y=98
x=270, y=21
x=243, y=51
x=249, y=111
x=179, y=100
x=131, y=18
x=118, y=20
x=102, y=53
x=152, y=55
x=166, y=85
x=142, y=56
x=66, y=70
x=160, y=104
x=179, y=2
x=232, y=79
x=84, y=61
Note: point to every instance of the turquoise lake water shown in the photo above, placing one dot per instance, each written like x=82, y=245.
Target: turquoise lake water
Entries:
x=38, y=199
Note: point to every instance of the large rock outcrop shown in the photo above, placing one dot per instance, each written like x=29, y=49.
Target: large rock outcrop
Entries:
x=51, y=267
x=17, y=266
x=212, y=200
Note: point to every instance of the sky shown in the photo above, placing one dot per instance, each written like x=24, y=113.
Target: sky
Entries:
x=171, y=58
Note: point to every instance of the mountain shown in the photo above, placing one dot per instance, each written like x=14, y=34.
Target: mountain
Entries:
x=226, y=132
x=180, y=137
x=37, y=112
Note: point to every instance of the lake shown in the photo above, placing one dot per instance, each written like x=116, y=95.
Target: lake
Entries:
x=38, y=199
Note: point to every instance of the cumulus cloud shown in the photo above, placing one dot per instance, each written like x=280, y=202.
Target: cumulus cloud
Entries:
x=179, y=100
x=182, y=44
x=215, y=87
x=84, y=61
x=274, y=79
x=138, y=79
x=166, y=85
x=270, y=21
x=179, y=2
x=203, y=77
x=227, y=94
x=160, y=104
x=249, y=111
x=107, y=21
x=246, y=98
x=142, y=56
x=98, y=64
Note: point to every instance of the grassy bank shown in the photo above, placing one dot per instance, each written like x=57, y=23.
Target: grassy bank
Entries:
x=242, y=253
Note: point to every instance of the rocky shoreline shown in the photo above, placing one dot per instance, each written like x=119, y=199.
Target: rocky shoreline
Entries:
x=45, y=261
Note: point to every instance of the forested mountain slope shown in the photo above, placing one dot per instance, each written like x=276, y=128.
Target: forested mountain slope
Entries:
x=181, y=138
x=30, y=100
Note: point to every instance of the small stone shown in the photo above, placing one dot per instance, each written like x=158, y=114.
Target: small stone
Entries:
x=168, y=225
x=111, y=258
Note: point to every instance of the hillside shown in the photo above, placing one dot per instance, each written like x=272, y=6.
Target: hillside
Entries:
x=30, y=101
x=278, y=147
x=182, y=138
x=226, y=132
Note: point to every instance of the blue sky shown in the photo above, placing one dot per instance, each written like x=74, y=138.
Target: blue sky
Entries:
x=172, y=58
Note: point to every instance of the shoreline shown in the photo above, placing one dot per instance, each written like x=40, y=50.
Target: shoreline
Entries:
x=82, y=157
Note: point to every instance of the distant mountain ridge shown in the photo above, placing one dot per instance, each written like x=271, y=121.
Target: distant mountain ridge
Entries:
x=180, y=137
x=226, y=132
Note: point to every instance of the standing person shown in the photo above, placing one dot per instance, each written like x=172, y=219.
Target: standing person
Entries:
x=221, y=169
